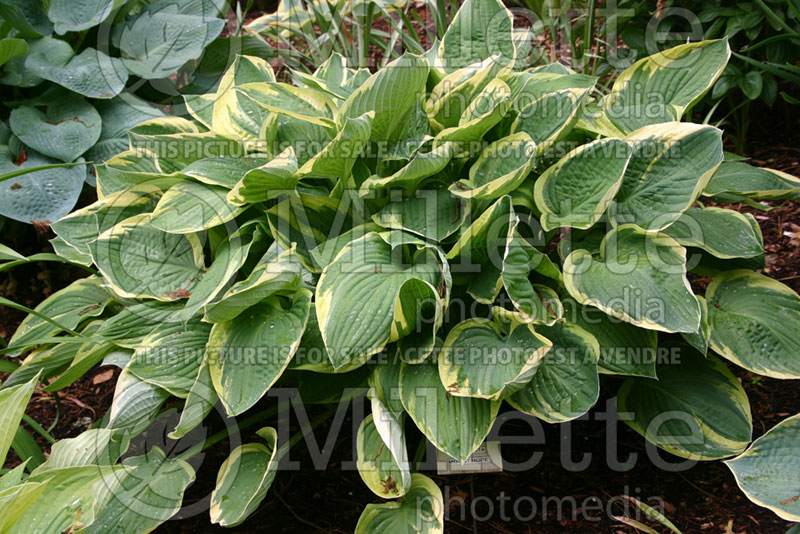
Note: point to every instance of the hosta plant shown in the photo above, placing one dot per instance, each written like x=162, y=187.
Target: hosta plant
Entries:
x=455, y=232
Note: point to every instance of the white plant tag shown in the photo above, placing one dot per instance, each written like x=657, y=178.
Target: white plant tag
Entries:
x=486, y=459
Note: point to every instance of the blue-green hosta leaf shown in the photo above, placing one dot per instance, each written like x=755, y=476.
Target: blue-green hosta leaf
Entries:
x=135, y=405
x=566, y=383
x=367, y=297
x=146, y=494
x=639, y=278
x=624, y=348
x=481, y=247
x=535, y=303
x=28, y=17
x=754, y=323
x=423, y=165
x=189, y=207
x=133, y=323
x=722, y=232
x=167, y=34
x=13, y=402
x=576, y=191
x=82, y=226
x=118, y=115
x=275, y=178
x=455, y=425
x=247, y=354
x=421, y=511
x=80, y=300
x=244, y=479
x=41, y=195
x=383, y=465
x=336, y=160
x=501, y=168
x=434, y=214
x=140, y=261
x=65, y=132
x=391, y=93
x=768, y=471
x=696, y=409
x=278, y=276
x=484, y=359
x=170, y=357
x=742, y=179
x=91, y=73
x=12, y=47
x=671, y=165
x=660, y=88
x=233, y=113
x=72, y=16
x=551, y=117
x=481, y=29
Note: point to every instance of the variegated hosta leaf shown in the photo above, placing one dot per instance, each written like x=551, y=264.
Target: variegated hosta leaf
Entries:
x=225, y=171
x=198, y=405
x=481, y=29
x=247, y=354
x=141, y=261
x=382, y=458
x=335, y=161
x=87, y=356
x=80, y=300
x=133, y=323
x=695, y=409
x=484, y=359
x=13, y=401
x=179, y=142
x=134, y=168
x=455, y=425
x=768, y=471
x=434, y=214
x=122, y=112
x=565, y=384
x=301, y=103
x=453, y=96
x=481, y=247
x=233, y=113
x=275, y=178
x=421, y=166
x=722, y=232
x=486, y=110
x=391, y=94
x=84, y=225
x=755, y=323
x=551, y=117
x=135, y=405
x=170, y=357
x=624, y=348
x=660, y=88
x=189, y=207
x=16, y=499
x=739, y=178
x=146, y=494
x=671, y=165
x=501, y=168
x=369, y=296
x=639, y=278
x=421, y=511
x=576, y=191
x=96, y=446
x=244, y=479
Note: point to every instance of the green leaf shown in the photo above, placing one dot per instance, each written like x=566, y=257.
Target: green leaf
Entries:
x=95, y=446
x=576, y=191
x=140, y=261
x=484, y=112
x=189, y=207
x=722, y=232
x=244, y=479
x=135, y=405
x=696, y=409
x=768, y=471
x=754, y=322
x=72, y=16
x=661, y=87
x=246, y=355
x=433, y=214
x=421, y=166
x=551, y=117
x=12, y=47
x=455, y=425
x=743, y=179
x=69, y=306
x=501, y=168
x=16, y=500
x=133, y=323
x=170, y=356
x=43, y=189
x=336, y=160
x=421, y=511
x=271, y=180
x=65, y=132
x=671, y=165
x=368, y=297
x=224, y=171
x=118, y=115
x=751, y=84
x=13, y=402
x=91, y=73
x=146, y=494
x=27, y=17
x=639, y=278
x=480, y=29
x=198, y=405
x=565, y=384
x=483, y=359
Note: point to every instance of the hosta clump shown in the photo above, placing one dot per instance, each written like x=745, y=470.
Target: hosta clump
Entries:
x=455, y=231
